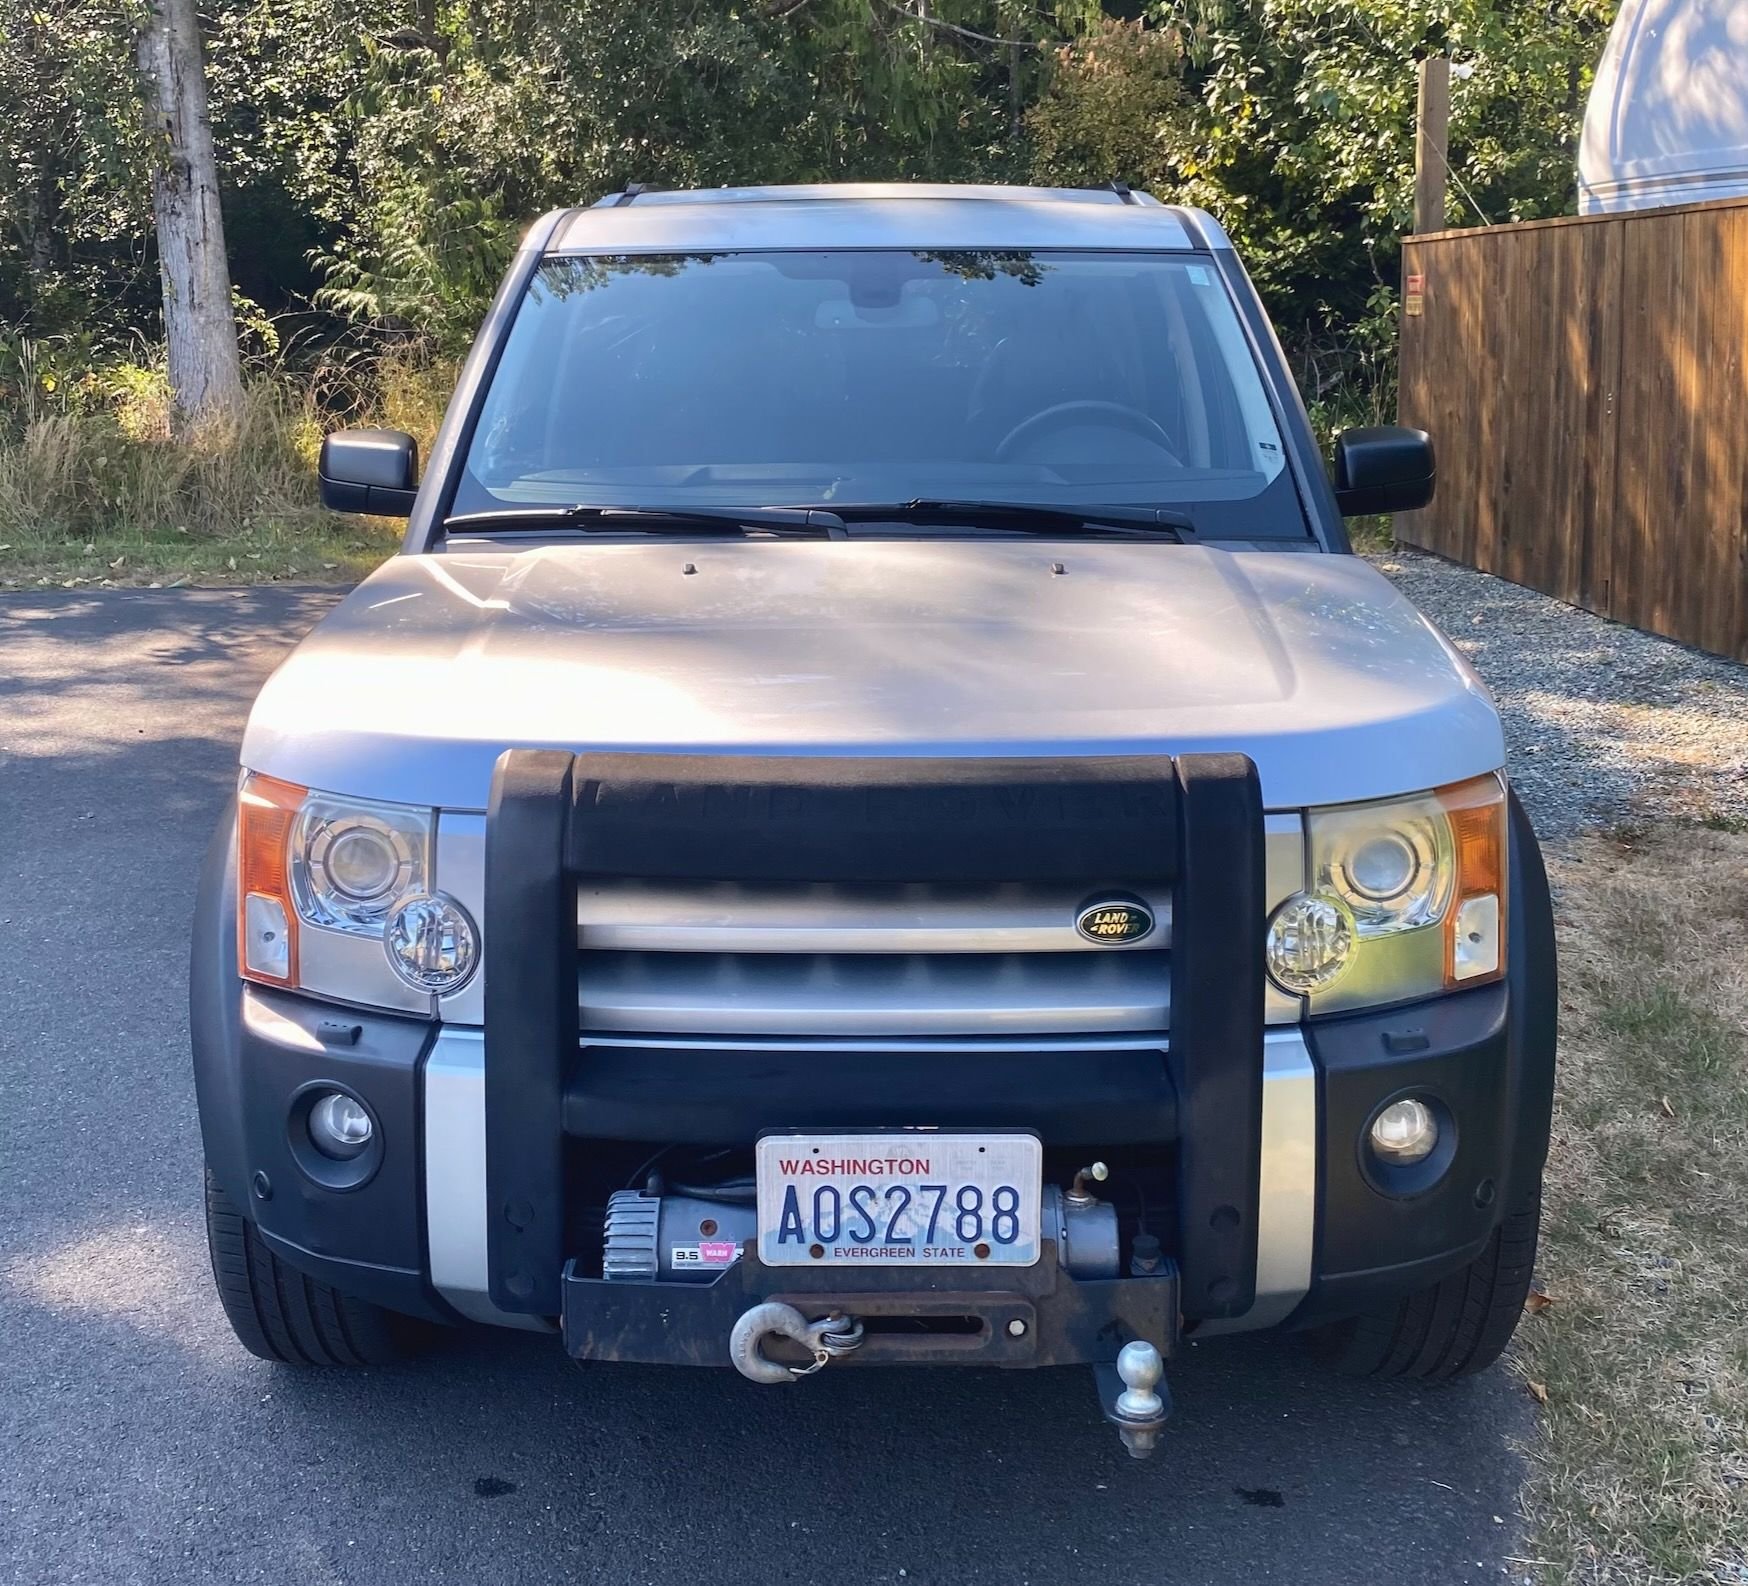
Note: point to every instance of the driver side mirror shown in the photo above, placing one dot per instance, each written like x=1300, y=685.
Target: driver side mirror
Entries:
x=374, y=471
x=1383, y=468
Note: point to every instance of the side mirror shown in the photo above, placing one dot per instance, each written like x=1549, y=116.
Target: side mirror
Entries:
x=1383, y=468
x=374, y=471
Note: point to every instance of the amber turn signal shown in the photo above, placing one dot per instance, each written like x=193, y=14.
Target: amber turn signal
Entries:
x=266, y=921
x=1475, y=922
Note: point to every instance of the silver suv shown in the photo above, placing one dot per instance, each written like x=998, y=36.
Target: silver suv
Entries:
x=876, y=819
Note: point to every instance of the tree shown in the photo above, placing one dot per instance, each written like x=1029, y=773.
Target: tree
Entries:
x=517, y=105
x=70, y=140
x=1116, y=108
x=1293, y=122
x=206, y=376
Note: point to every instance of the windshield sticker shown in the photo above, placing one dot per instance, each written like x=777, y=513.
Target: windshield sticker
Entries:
x=1199, y=276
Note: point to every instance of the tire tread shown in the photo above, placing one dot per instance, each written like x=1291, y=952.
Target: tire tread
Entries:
x=1453, y=1328
x=282, y=1315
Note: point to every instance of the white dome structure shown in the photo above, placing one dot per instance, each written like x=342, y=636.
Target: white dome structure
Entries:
x=1667, y=121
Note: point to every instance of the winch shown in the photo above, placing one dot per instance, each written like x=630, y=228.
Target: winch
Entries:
x=691, y=1237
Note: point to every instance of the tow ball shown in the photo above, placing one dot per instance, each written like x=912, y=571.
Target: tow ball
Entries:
x=825, y=1340
x=1139, y=1409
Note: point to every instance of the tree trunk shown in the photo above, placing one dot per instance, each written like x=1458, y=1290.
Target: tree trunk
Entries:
x=206, y=375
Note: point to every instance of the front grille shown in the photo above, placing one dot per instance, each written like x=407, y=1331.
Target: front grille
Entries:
x=860, y=960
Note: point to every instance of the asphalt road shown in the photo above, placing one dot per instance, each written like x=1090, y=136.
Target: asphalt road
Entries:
x=142, y=1444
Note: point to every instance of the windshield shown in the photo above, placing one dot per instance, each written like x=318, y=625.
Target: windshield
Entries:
x=861, y=377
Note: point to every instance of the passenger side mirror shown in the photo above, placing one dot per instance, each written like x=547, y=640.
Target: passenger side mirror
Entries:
x=1383, y=468
x=374, y=471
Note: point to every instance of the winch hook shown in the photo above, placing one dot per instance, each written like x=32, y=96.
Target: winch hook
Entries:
x=825, y=1340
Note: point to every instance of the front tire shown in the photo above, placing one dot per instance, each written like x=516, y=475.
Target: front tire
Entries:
x=1455, y=1327
x=280, y=1314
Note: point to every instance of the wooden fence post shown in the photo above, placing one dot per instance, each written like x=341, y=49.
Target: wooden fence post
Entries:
x=1432, y=130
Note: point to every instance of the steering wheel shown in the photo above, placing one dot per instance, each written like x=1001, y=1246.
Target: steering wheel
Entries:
x=1118, y=415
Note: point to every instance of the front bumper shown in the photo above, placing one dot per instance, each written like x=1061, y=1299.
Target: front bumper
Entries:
x=1328, y=1242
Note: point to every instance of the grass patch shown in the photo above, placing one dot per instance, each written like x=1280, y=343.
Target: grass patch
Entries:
x=1641, y=1466
x=99, y=491
x=259, y=553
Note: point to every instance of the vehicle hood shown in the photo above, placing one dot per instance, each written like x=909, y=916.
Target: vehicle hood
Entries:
x=1311, y=664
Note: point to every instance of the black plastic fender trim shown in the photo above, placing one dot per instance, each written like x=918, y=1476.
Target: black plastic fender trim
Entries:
x=215, y=1010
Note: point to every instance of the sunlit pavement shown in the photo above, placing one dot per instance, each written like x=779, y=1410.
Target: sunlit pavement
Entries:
x=142, y=1444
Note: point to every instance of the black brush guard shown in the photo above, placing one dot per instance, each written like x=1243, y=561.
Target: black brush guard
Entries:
x=1193, y=825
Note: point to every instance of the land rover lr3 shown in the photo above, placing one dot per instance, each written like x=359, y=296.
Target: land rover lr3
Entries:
x=875, y=818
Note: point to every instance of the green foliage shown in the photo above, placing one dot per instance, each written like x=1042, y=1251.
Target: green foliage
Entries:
x=1295, y=125
x=73, y=209
x=1116, y=108
x=504, y=108
x=381, y=156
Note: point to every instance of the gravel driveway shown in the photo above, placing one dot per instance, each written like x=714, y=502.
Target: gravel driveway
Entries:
x=1603, y=724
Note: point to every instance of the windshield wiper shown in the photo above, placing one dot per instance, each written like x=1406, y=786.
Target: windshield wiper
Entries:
x=1027, y=517
x=809, y=522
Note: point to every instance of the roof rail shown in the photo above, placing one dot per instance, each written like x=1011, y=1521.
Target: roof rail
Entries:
x=1121, y=189
x=632, y=191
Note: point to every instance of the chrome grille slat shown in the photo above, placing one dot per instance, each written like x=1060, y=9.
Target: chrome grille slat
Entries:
x=859, y=994
x=706, y=917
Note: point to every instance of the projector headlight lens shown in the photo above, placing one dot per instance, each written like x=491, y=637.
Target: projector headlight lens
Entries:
x=351, y=861
x=431, y=942
x=1392, y=863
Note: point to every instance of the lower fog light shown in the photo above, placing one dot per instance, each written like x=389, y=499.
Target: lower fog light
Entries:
x=339, y=1126
x=1405, y=1132
x=431, y=942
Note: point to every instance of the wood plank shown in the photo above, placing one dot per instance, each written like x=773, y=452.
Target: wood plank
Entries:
x=1602, y=294
x=1586, y=384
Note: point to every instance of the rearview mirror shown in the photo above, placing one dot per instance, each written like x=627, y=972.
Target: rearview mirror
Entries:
x=1383, y=468
x=374, y=471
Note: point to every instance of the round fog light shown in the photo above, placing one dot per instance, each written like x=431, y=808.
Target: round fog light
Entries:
x=339, y=1126
x=431, y=942
x=1404, y=1132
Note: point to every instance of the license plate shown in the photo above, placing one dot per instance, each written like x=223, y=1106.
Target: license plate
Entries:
x=899, y=1199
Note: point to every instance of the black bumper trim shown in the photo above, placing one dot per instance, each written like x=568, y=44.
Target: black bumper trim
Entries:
x=1065, y=1320
x=1487, y=1056
x=1094, y=1098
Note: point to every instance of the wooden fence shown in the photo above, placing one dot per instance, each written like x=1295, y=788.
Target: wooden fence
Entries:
x=1585, y=382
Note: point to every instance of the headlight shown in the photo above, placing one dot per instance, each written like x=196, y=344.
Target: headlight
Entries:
x=431, y=943
x=1405, y=898
x=321, y=877
x=351, y=861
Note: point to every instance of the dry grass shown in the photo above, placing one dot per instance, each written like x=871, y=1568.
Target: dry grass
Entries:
x=102, y=493
x=1641, y=1470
